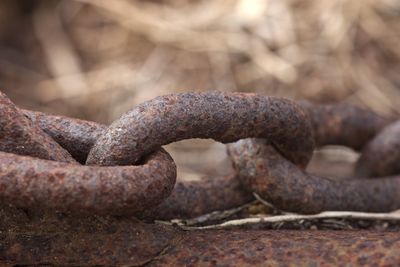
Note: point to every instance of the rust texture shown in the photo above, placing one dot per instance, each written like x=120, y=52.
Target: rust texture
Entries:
x=283, y=248
x=76, y=136
x=60, y=240
x=188, y=198
x=225, y=117
x=194, y=198
x=42, y=201
x=19, y=135
x=106, y=241
x=381, y=156
x=263, y=170
x=42, y=184
x=332, y=124
x=344, y=124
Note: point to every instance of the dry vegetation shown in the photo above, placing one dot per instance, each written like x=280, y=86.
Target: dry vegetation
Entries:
x=95, y=59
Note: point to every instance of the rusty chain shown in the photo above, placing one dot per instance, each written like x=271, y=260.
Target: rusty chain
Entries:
x=58, y=164
x=291, y=130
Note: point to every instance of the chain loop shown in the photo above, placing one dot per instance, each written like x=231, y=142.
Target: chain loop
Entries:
x=225, y=117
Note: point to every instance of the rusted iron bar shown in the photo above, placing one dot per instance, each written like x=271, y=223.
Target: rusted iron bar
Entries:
x=381, y=156
x=263, y=170
x=60, y=240
x=283, y=248
x=105, y=241
x=225, y=117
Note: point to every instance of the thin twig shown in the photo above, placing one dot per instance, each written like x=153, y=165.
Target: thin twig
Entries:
x=393, y=216
x=213, y=216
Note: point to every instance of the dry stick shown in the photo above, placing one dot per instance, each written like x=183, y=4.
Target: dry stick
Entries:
x=284, y=217
x=215, y=215
x=394, y=216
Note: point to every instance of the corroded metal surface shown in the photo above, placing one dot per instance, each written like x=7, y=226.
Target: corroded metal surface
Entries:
x=76, y=136
x=101, y=241
x=37, y=184
x=381, y=156
x=188, y=199
x=60, y=240
x=20, y=136
x=332, y=124
x=344, y=124
x=41, y=184
x=194, y=198
x=225, y=117
x=263, y=170
x=42, y=201
x=283, y=248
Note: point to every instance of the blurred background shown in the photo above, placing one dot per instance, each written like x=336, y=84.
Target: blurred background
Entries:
x=96, y=59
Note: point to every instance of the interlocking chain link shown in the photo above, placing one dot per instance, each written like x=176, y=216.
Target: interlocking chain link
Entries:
x=37, y=172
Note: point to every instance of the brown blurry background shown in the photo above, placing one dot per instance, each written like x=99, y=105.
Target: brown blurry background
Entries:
x=95, y=59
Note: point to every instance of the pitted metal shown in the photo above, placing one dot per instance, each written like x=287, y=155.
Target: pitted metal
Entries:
x=54, y=211
x=188, y=199
x=222, y=116
x=36, y=184
x=264, y=171
x=21, y=136
x=225, y=117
